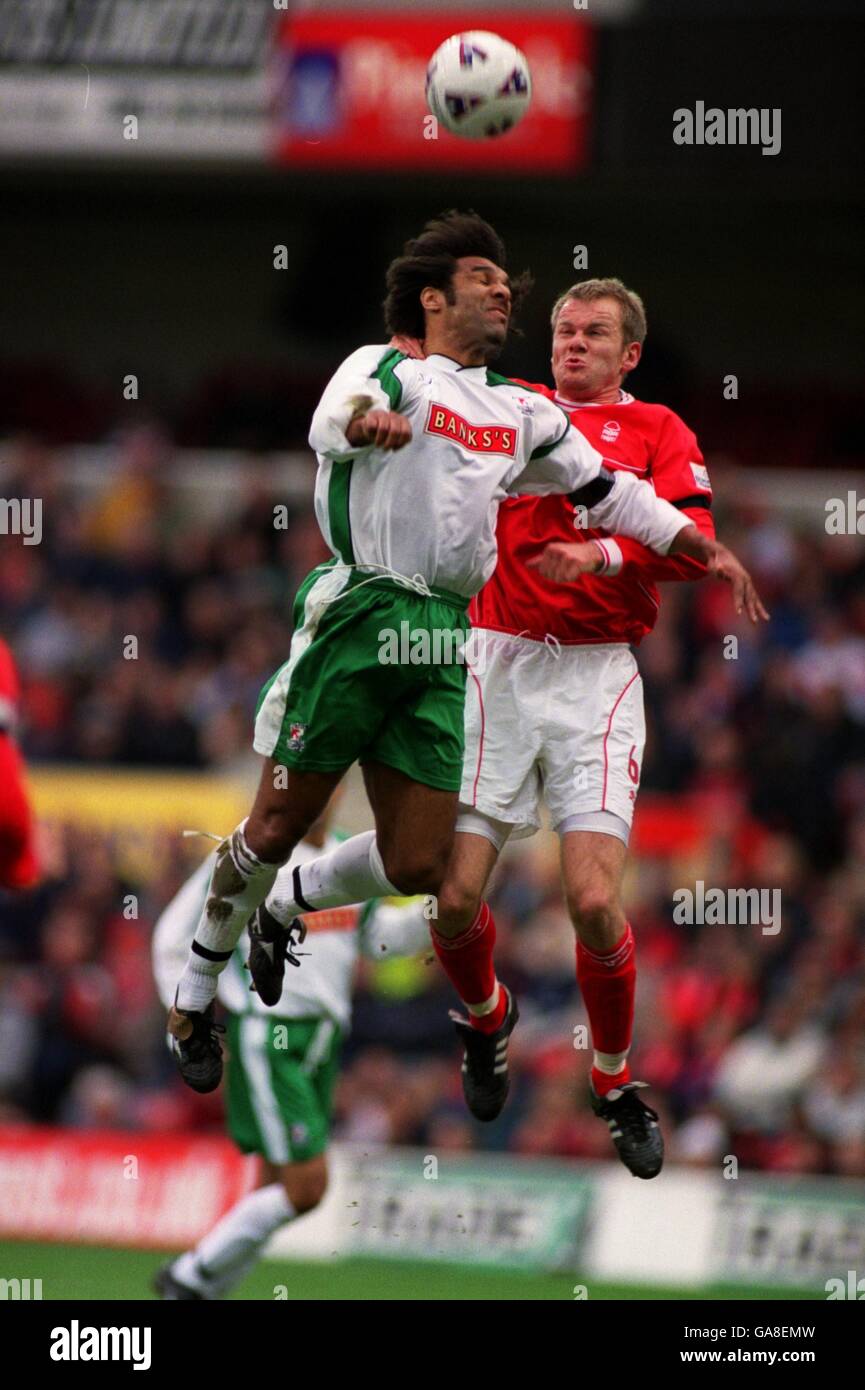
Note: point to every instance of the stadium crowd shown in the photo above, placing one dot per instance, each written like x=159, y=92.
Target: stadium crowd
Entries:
x=752, y=1039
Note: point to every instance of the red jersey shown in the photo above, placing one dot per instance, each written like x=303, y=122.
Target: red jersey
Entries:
x=9, y=689
x=18, y=864
x=621, y=603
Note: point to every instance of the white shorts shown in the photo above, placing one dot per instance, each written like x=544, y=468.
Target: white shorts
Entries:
x=562, y=723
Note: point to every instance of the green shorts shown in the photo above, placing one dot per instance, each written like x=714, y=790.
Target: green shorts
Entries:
x=377, y=675
x=279, y=1085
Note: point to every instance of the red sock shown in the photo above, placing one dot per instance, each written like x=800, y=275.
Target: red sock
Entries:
x=467, y=960
x=607, y=981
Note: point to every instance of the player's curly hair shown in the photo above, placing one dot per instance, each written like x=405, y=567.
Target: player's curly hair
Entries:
x=431, y=259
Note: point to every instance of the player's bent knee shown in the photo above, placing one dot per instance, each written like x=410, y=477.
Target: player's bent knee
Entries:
x=411, y=882
x=416, y=874
x=305, y=1186
x=594, y=907
x=306, y=1192
x=272, y=836
x=458, y=904
x=308, y=1200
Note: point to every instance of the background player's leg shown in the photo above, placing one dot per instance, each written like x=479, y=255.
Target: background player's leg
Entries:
x=224, y=1257
x=592, y=867
x=286, y=804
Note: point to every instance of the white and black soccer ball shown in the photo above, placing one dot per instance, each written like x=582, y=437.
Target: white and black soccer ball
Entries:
x=478, y=84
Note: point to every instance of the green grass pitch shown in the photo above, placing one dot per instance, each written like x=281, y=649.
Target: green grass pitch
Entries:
x=96, y=1272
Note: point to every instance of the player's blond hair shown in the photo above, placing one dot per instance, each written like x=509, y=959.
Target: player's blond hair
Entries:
x=632, y=306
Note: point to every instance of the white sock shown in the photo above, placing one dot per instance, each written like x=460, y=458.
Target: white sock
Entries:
x=611, y=1063
x=488, y=1005
x=222, y=1258
x=240, y=881
x=351, y=873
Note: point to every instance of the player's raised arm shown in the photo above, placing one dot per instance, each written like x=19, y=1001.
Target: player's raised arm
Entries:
x=360, y=408
x=680, y=476
x=628, y=504
x=617, y=501
x=563, y=460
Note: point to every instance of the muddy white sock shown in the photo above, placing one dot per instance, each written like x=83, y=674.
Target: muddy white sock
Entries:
x=351, y=873
x=240, y=881
x=228, y=1252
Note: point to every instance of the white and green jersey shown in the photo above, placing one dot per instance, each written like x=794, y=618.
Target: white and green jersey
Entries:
x=321, y=987
x=429, y=509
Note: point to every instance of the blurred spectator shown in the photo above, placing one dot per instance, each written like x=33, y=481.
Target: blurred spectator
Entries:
x=834, y=1104
x=765, y=1072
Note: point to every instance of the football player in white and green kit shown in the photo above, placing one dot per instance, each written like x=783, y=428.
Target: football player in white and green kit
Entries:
x=283, y=1062
x=414, y=458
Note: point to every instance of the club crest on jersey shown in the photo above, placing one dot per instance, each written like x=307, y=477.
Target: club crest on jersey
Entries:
x=482, y=439
x=611, y=431
x=296, y=736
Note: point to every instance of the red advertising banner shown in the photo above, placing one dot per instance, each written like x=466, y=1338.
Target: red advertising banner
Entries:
x=349, y=92
x=116, y=1189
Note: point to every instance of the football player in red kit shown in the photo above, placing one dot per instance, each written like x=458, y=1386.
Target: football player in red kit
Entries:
x=18, y=864
x=555, y=710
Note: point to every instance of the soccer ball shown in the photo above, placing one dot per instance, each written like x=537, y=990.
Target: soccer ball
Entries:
x=478, y=84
